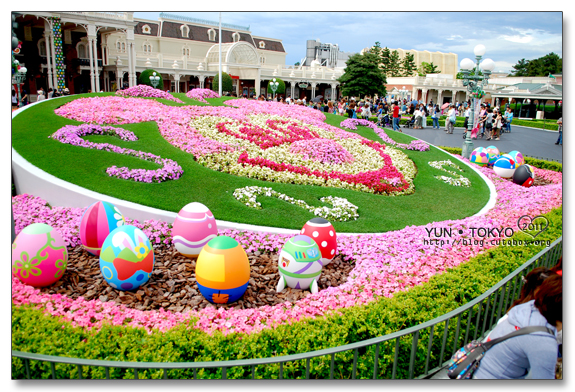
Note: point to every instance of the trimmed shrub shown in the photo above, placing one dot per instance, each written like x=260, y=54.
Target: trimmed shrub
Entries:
x=226, y=85
x=281, y=87
x=144, y=78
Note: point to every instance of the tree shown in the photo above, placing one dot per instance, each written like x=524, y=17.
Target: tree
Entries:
x=471, y=73
x=297, y=64
x=520, y=68
x=427, y=68
x=363, y=76
x=144, y=78
x=549, y=64
x=394, y=67
x=408, y=65
x=227, y=84
x=376, y=49
x=384, y=59
x=281, y=87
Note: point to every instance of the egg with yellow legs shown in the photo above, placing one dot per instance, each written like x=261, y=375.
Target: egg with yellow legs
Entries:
x=222, y=270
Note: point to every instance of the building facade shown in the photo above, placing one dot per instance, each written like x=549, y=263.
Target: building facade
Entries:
x=105, y=51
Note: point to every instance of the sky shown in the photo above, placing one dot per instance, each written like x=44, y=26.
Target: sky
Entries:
x=507, y=36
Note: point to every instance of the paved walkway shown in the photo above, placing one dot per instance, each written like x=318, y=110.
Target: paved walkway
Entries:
x=532, y=142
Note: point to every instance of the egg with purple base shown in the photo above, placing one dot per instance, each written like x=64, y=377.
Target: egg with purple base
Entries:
x=479, y=156
x=39, y=255
x=193, y=228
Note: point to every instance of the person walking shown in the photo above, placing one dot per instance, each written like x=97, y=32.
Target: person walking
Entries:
x=435, y=117
x=450, y=120
x=508, y=118
x=496, y=123
x=395, y=108
x=487, y=123
x=41, y=96
x=560, y=128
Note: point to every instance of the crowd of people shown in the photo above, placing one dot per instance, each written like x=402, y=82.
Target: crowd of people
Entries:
x=40, y=96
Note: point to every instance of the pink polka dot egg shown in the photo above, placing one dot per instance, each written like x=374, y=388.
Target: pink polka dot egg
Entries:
x=324, y=235
x=39, y=255
x=99, y=220
x=193, y=228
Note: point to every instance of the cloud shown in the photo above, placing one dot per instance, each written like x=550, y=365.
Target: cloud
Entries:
x=454, y=37
x=517, y=38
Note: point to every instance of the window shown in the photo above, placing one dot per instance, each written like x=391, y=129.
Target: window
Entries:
x=185, y=31
x=146, y=29
x=186, y=51
x=236, y=36
x=212, y=34
x=123, y=46
x=118, y=47
x=147, y=47
x=262, y=45
x=262, y=60
x=81, y=48
x=42, y=47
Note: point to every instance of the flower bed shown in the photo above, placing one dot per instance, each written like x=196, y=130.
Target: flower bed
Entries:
x=142, y=90
x=384, y=263
x=255, y=140
x=200, y=94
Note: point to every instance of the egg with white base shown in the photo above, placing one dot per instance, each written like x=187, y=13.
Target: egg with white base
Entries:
x=193, y=228
x=299, y=264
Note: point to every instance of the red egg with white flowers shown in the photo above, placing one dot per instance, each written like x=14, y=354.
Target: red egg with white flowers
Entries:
x=323, y=233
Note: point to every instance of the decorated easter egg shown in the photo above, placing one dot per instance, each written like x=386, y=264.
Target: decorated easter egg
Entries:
x=299, y=264
x=99, y=219
x=524, y=175
x=193, y=228
x=493, y=155
x=518, y=157
x=479, y=156
x=505, y=166
x=39, y=255
x=222, y=270
x=323, y=233
x=127, y=258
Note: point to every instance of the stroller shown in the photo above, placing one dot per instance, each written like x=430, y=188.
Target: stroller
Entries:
x=384, y=121
x=410, y=123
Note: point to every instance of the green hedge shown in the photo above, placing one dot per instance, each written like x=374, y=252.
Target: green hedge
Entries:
x=540, y=163
x=552, y=126
x=33, y=331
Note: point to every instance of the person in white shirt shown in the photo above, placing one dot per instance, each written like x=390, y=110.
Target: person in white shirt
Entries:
x=41, y=96
x=365, y=112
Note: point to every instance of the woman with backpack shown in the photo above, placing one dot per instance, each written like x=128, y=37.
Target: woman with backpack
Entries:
x=534, y=353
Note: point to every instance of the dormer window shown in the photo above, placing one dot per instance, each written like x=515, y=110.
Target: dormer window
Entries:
x=146, y=29
x=212, y=34
x=185, y=31
x=262, y=45
x=236, y=36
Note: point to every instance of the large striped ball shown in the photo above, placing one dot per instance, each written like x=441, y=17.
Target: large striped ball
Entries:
x=505, y=166
x=193, y=228
x=97, y=222
x=127, y=258
x=39, y=255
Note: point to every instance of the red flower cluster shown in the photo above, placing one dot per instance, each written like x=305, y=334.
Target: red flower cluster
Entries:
x=385, y=180
x=265, y=139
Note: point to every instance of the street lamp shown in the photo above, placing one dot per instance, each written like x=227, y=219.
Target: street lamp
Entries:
x=475, y=84
x=20, y=77
x=154, y=79
x=274, y=86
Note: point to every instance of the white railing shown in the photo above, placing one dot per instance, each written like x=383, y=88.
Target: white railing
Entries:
x=128, y=16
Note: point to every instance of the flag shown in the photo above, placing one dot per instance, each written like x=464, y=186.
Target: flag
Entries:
x=551, y=76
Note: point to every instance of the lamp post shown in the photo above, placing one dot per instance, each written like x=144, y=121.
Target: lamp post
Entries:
x=474, y=83
x=274, y=86
x=20, y=77
x=154, y=79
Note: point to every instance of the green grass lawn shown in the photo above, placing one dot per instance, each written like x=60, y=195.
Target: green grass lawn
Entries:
x=432, y=201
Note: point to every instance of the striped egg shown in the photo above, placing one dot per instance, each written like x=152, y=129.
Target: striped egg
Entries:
x=193, y=228
x=97, y=222
x=222, y=270
x=493, y=155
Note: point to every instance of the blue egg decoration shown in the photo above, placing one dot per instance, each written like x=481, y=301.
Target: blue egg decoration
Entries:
x=127, y=258
x=479, y=156
x=505, y=166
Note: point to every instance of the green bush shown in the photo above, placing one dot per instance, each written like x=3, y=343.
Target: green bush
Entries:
x=552, y=126
x=144, y=78
x=227, y=84
x=281, y=87
x=33, y=331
